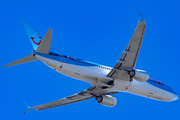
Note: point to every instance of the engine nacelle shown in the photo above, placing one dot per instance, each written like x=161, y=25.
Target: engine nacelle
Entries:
x=107, y=100
x=139, y=75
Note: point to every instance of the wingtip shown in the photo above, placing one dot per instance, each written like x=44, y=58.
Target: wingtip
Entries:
x=141, y=18
x=29, y=108
x=7, y=65
x=26, y=103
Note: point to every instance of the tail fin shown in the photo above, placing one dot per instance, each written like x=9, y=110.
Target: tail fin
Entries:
x=23, y=60
x=32, y=34
x=35, y=39
x=45, y=45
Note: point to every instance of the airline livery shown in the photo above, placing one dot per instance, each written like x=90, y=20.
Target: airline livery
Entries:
x=105, y=81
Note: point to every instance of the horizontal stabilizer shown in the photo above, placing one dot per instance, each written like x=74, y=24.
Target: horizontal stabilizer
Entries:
x=23, y=60
x=45, y=45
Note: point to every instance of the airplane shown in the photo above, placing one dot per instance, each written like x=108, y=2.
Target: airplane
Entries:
x=105, y=81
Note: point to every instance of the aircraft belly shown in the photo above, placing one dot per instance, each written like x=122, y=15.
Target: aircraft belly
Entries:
x=121, y=85
x=139, y=88
x=84, y=73
x=167, y=96
x=145, y=89
x=80, y=72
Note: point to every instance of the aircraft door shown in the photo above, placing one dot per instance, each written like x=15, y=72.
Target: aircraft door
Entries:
x=62, y=59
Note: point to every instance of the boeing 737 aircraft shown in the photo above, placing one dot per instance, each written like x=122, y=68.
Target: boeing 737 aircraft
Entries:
x=123, y=77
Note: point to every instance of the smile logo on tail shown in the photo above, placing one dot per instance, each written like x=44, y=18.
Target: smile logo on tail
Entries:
x=36, y=42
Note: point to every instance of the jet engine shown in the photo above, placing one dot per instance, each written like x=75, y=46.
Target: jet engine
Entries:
x=139, y=75
x=107, y=100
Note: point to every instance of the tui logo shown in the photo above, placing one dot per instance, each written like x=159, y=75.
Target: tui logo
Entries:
x=36, y=42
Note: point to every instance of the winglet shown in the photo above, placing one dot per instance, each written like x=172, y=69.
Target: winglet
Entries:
x=141, y=18
x=29, y=108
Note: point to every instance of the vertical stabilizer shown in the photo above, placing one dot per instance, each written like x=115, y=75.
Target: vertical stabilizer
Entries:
x=32, y=34
x=45, y=45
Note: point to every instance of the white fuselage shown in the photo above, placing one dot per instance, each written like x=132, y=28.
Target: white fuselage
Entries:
x=90, y=74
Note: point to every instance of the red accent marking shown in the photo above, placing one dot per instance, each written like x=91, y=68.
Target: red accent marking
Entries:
x=34, y=41
x=54, y=69
x=61, y=66
x=40, y=37
x=126, y=88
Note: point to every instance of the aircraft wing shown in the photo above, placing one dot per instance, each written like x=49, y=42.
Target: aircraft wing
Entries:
x=128, y=59
x=84, y=95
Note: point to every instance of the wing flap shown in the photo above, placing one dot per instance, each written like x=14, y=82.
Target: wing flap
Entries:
x=133, y=47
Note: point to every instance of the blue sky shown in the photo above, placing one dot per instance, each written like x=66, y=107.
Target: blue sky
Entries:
x=98, y=31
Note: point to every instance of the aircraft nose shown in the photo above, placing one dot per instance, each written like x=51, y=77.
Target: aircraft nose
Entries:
x=175, y=97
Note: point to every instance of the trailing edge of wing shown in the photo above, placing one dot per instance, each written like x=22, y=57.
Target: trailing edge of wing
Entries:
x=45, y=45
x=23, y=60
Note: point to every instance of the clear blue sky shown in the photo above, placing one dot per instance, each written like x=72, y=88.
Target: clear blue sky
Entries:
x=95, y=30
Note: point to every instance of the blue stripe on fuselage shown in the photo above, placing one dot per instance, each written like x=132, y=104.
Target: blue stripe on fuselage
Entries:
x=161, y=86
x=71, y=60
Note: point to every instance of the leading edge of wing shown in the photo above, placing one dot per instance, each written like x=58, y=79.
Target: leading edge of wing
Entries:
x=65, y=101
x=89, y=93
